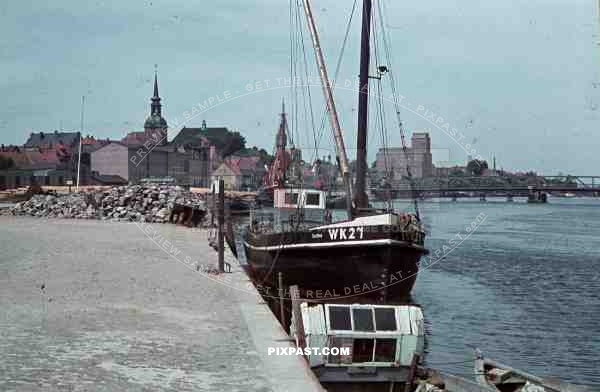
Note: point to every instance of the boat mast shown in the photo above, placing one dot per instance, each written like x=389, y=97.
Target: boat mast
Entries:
x=360, y=196
x=330, y=104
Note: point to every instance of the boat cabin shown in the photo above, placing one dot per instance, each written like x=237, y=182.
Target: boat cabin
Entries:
x=293, y=209
x=299, y=198
x=379, y=339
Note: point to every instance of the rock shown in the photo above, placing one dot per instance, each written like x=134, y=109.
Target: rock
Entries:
x=163, y=213
x=148, y=203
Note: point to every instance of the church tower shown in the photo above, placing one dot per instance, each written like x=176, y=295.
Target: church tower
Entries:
x=155, y=127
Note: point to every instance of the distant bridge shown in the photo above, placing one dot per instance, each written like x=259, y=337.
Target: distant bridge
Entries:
x=522, y=185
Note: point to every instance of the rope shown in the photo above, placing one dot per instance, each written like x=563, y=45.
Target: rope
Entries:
x=397, y=105
x=448, y=363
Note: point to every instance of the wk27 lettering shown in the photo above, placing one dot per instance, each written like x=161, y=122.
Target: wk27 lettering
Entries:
x=346, y=233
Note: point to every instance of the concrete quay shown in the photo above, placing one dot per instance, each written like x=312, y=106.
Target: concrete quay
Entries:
x=96, y=306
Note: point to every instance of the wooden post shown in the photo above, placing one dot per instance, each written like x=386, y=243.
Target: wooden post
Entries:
x=297, y=315
x=281, y=294
x=221, y=218
x=412, y=373
x=212, y=206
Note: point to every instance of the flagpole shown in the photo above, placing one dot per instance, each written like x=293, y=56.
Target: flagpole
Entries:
x=80, y=141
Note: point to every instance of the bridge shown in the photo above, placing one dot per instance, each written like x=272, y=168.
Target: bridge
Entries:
x=480, y=186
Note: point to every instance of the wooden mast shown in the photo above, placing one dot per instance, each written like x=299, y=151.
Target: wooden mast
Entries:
x=360, y=196
x=330, y=104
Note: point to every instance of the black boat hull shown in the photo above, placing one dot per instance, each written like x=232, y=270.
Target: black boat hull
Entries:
x=381, y=267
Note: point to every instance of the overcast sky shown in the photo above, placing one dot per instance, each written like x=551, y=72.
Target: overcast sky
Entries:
x=517, y=78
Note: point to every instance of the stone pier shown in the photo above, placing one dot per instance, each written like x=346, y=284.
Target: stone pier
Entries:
x=91, y=305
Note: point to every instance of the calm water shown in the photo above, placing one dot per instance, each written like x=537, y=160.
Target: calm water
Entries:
x=524, y=287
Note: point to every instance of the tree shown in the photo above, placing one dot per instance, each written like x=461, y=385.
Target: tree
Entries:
x=233, y=142
x=476, y=167
x=255, y=151
x=225, y=141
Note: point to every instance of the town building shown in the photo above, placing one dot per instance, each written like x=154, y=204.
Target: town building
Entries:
x=188, y=158
x=24, y=166
x=240, y=173
x=391, y=162
x=46, y=158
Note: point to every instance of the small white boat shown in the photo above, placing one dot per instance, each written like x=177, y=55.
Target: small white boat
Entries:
x=503, y=378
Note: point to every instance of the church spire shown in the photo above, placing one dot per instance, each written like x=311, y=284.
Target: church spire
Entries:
x=155, y=126
x=155, y=106
x=156, y=85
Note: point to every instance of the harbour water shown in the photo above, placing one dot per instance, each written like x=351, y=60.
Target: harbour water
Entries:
x=524, y=287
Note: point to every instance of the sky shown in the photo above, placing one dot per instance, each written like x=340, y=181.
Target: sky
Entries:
x=518, y=80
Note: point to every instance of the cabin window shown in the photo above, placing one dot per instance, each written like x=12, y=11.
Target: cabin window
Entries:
x=385, y=319
x=385, y=350
x=362, y=350
x=312, y=199
x=291, y=198
x=341, y=343
x=363, y=320
x=339, y=318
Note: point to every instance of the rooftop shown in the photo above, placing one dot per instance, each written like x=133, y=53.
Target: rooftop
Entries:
x=42, y=139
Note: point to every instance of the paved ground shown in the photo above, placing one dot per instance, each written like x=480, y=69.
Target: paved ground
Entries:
x=93, y=306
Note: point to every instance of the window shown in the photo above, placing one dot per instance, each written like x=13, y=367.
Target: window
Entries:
x=186, y=166
x=362, y=350
x=291, y=198
x=312, y=199
x=385, y=319
x=363, y=320
x=341, y=343
x=385, y=350
x=339, y=318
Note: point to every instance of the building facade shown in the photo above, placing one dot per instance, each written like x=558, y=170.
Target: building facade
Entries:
x=392, y=162
x=149, y=154
x=46, y=158
x=240, y=173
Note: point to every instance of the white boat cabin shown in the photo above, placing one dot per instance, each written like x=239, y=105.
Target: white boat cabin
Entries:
x=299, y=198
x=373, y=335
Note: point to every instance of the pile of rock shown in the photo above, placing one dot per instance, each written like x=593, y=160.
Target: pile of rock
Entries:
x=134, y=203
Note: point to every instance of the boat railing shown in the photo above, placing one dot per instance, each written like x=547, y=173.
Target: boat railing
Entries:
x=279, y=220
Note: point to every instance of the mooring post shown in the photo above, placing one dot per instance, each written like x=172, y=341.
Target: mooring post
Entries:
x=412, y=373
x=221, y=219
x=297, y=315
x=212, y=206
x=281, y=309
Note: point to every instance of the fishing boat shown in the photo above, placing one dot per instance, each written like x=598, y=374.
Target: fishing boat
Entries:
x=372, y=254
x=502, y=378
